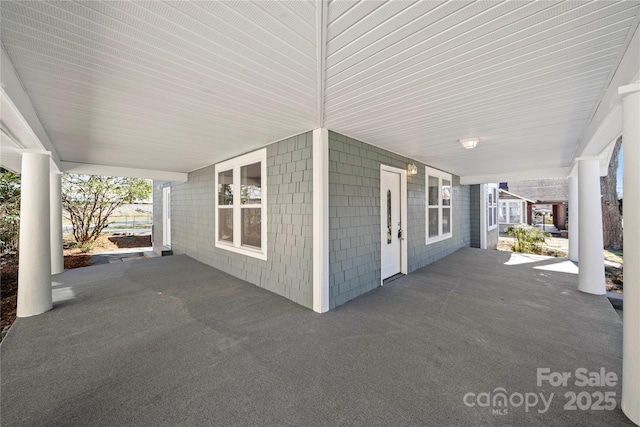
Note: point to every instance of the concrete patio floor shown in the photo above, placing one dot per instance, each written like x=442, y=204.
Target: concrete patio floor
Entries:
x=170, y=341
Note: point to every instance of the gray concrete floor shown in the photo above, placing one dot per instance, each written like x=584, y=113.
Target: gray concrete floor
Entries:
x=170, y=341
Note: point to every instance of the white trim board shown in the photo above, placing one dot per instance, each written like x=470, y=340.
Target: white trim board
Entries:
x=321, y=220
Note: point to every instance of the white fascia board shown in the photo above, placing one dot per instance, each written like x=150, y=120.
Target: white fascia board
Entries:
x=18, y=111
x=515, y=176
x=105, y=170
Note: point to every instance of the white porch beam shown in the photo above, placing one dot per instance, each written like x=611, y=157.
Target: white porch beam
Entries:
x=55, y=196
x=604, y=126
x=18, y=114
x=93, y=169
x=591, y=274
x=320, y=220
x=574, y=220
x=515, y=176
x=34, y=280
x=631, y=313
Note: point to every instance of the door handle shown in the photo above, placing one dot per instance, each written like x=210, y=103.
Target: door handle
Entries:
x=400, y=234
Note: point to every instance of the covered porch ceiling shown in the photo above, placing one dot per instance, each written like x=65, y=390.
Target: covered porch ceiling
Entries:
x=175, y=86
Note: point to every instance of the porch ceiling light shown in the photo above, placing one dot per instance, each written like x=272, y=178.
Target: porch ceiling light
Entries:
x=469, y=143
x=412, y=169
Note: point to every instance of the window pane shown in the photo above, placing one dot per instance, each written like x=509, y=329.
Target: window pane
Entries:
x=503, y=212
x=250, y=184
x=433, y=191
x=514, y=213
x=225, y=188
x=446, y=220
x=434, y=229
x=251, y=230
x=388, y=217
x=225, y=224
x=446, y=192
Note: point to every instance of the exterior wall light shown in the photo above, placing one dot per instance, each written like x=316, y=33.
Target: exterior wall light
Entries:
x=412, y=169
x=469, y=143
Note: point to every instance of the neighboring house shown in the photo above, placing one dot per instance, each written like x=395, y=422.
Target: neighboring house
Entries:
x=525, y=201
x=253, y=216
x=513, y=209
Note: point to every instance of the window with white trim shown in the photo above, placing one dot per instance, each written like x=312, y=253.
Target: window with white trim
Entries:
x=492, y=206
x=241, y=204
x=512, y=212
x=439, y=205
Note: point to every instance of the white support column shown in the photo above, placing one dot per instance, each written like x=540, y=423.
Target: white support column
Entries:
x=34, y=280
x=321, y=220
x=55, y=190
x=574, y=222
x=631, y=313
x=591, y=273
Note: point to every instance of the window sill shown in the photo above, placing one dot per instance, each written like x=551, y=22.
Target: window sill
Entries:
x=437, y=239
x=254, y=253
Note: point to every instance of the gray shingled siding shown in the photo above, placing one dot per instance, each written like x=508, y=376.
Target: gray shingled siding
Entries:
x=289, y=265
x=354, y=217
x=474, y=214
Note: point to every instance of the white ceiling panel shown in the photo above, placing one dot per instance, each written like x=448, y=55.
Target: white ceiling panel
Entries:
x=176, y=86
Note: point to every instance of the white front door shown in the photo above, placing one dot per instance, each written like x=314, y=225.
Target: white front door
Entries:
x=391, y=226
x=166, y=216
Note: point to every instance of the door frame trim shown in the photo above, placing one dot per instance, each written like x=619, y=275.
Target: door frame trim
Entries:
x=166, y=216
x=403, y=216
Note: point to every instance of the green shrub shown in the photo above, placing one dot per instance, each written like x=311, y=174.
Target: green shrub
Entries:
x=528, y=239
x=86, y=247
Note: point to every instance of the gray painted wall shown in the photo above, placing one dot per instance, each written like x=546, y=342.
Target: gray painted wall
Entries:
x=354, y=217
x=288, y=268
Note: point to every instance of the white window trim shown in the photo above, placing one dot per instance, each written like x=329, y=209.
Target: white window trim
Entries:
x=235, y=164
x=440, y=175
x=494, y=189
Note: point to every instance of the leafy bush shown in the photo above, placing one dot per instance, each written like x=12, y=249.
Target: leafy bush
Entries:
x=528, y=239
x=9, y=210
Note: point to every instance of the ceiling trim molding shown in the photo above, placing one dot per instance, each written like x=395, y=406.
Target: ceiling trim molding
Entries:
x=105, y=170
x=321, y=46
x=515, y=176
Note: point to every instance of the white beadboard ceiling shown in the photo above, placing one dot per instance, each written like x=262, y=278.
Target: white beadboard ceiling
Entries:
x=179, y=85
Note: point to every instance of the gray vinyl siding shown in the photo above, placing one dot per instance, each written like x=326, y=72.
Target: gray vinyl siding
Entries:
x=354, y=217
x=288, y=268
